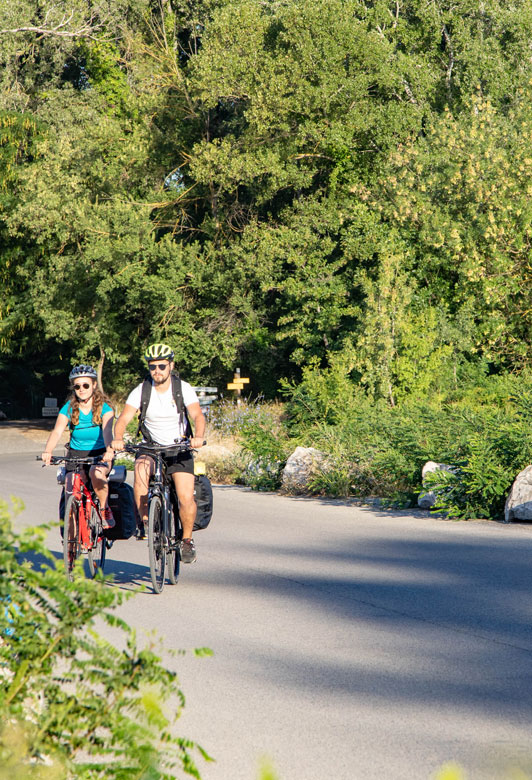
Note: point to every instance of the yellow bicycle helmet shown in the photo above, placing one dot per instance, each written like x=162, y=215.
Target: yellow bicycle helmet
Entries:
x=159, y=352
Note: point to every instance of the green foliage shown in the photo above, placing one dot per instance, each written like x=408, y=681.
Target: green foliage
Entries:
x=258, y=429
x=495, y=446
x=102, y=61
x=96, y=708
x=323, y=395
x=267, y=449
x=378, y=450
x=229, y=416
x=267, y=772
x=269, y=185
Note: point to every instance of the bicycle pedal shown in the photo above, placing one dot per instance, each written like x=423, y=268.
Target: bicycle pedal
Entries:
x=109, y=543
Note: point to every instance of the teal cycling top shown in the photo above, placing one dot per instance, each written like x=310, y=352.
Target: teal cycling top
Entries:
x=85, y=435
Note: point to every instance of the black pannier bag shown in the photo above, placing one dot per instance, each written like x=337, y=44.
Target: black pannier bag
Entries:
x=123, y=508
x=204, y=501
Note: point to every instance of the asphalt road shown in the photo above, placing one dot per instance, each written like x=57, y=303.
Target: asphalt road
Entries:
x=348, y=643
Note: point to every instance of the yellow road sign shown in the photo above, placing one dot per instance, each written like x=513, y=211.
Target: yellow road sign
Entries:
x=235, y=386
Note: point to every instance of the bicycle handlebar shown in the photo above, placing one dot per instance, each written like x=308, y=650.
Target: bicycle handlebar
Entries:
x=88, y=460
x=156, y=449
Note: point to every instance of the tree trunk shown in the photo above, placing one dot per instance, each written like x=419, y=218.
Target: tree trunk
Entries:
x=99, y=370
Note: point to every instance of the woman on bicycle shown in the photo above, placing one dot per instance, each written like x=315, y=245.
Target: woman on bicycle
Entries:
x=90, y=419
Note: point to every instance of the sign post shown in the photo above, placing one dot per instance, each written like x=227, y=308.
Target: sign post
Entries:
x=238, y=383
x=206, y=395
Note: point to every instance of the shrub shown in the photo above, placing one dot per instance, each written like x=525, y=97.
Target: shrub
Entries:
x=266, y=447
x=262, y=439
x=229, y=417
x=71, y=698
x=379, y=450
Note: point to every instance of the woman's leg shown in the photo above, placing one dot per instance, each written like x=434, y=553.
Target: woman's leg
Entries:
x=98, y=475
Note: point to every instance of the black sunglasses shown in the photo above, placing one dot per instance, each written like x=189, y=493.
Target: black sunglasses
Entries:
x=160, y=366
x=85, y=386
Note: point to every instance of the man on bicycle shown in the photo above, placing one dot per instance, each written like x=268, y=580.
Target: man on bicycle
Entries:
x=163, y=424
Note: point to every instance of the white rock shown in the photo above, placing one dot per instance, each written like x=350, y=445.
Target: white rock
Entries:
x=519, y=502
x=428, y=499
x=302, y=464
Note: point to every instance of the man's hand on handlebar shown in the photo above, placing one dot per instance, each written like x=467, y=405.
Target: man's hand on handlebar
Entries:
x=196, y=442
x=108, y=455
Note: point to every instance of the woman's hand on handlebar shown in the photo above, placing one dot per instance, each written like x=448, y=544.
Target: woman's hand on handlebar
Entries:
x=46, y=458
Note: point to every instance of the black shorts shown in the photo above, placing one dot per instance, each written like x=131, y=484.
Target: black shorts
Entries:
x=184, y=462
x=70, y=466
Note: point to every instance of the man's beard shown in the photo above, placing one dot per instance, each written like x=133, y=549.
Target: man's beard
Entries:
x=159, y=381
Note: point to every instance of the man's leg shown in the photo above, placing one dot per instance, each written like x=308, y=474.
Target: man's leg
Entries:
x=184, y=485
x=143, y=470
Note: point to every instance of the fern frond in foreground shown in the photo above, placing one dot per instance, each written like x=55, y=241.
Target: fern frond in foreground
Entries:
x=69, y=699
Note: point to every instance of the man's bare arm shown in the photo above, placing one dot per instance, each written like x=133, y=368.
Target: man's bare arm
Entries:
x=128, y=412
x=198, y=422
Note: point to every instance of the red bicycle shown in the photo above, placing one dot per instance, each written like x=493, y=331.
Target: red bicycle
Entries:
x=83, y=525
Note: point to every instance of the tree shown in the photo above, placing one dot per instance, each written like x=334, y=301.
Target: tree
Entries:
x=460, y=197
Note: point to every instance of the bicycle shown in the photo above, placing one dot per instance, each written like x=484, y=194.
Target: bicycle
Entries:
x=83, y=529
x=164, y=524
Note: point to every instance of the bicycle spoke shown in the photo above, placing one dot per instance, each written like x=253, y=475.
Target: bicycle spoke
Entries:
x=173, y=557
x=156, y=544
x=97, y=548
x=71, y=538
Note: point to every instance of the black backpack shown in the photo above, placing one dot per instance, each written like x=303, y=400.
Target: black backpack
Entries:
x=177, y=394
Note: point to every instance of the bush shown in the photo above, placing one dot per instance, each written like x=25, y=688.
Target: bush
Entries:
x=380, y=450
x=266, y=448
x=262, y=438
x=229, y=417
x=68, y=697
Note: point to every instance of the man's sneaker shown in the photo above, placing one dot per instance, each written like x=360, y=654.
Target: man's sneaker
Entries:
x=188, y=551
x=108, y=520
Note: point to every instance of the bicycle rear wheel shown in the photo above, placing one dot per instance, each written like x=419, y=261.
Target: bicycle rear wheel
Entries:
x=71, y=537
x=96, y=553
x=156, y=544
x=173, y=558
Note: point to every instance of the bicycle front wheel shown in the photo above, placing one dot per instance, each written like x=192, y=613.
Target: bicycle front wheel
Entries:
x=156, y=543
x=96, y=551
x=71, y=537
x=173, y=559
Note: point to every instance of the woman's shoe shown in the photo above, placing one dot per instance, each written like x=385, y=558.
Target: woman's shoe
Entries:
x=108, y=520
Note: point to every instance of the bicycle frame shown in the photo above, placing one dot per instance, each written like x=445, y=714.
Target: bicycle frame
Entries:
x=81, y=493
x=163, y=544
x=87, y=537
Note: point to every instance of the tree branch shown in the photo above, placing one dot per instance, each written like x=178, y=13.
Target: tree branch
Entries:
x=60, y=28
x=450, y=66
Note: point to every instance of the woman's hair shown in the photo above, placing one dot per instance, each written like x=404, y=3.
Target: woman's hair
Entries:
x=98, y=400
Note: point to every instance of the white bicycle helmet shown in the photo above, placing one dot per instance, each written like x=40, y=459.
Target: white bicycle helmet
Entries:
x=82, y=370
